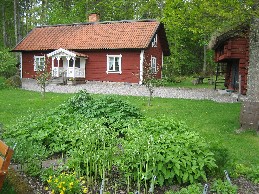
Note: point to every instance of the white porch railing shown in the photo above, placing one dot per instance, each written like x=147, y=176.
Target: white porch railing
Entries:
x=77, y=72
x=57, y=71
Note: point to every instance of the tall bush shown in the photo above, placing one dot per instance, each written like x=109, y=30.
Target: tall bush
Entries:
x=7, y=64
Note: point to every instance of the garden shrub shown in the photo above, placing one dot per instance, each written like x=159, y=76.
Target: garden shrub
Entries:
x=8, y=63
x=14, y=81
x=57, y=130
x=109, y=107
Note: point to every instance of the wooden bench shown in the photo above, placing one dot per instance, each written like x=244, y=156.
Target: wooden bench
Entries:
x=5, y=159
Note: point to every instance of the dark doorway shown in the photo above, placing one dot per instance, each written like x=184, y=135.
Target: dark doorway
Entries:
x=235, y=74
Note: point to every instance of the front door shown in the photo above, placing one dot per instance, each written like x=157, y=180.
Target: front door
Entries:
x=235, y=74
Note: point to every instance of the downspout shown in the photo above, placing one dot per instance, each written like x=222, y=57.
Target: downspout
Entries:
x=141, y=67
x=162, y=66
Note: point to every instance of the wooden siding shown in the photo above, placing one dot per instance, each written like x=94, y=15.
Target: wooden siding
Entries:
x=96, y=65
x=28, y=63
x=155, y=52
x=234, y=49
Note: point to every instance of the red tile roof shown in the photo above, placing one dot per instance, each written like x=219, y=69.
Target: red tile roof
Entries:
x=103, y=35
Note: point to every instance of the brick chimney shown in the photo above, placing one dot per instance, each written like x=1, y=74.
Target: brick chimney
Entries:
x=94, y=17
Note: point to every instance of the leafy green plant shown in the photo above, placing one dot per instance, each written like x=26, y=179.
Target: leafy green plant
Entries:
x=104, y=137
x=223, y=187
x=168, y=150
x=251, y=173
x=254, y=174
x=223, y=161
x=193, y=188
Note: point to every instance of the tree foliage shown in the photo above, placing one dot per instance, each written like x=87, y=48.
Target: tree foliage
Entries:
x=189, y=24
x=7, y=64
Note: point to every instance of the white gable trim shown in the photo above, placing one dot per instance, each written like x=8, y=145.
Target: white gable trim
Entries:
x=62, y=52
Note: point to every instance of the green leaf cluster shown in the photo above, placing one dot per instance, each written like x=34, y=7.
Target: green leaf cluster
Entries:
x=251, y=173
x=193, y=188
x=223, y=187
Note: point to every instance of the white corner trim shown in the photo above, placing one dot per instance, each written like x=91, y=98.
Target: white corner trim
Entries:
x=21, y=65
x=141, y=63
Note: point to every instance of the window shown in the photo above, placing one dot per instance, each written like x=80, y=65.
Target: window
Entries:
x=113, y=63
x=153, y=65
x=154, y=42
x=77, y=62
x=39, y=63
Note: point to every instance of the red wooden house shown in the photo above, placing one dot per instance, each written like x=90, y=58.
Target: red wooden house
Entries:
x=232, y=49
x=99, y=51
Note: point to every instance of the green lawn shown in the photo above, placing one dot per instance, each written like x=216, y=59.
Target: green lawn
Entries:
x=216, y=122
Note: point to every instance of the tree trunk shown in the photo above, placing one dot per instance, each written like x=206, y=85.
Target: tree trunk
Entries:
x=204, y=68
x=3, y=26
x=44, y=11
x=253, y=71
x=15, y=20
x=249, y=116
x=18, y=20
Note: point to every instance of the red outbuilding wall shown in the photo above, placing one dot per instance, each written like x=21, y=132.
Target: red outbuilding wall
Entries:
x=234, y=52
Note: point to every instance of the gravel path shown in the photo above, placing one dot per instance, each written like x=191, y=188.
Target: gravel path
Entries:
x=136, y=90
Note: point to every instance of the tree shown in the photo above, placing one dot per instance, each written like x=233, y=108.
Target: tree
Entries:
x=42, y=76
x=249, y=116
x=149, y=79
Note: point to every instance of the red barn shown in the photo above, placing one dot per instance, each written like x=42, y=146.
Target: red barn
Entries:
x=232, y=49
x=99, y=51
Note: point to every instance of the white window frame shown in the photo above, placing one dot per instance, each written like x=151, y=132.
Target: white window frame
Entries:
x=154, y=42
x=153, y=64
x=38, y=62
x=113, y=70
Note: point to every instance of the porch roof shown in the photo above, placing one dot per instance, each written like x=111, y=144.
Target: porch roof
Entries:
x=64, y=52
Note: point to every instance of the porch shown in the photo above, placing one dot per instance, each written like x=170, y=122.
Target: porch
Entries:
x=67, y=65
